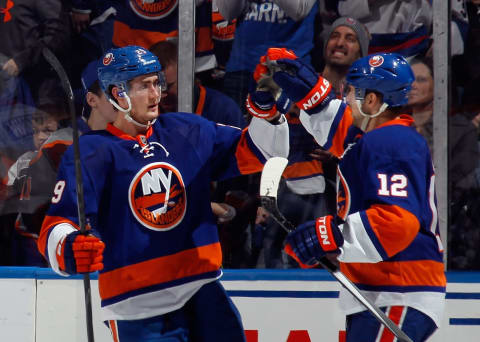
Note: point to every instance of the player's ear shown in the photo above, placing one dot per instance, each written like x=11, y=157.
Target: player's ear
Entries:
x=92, y=99
x=116, y=93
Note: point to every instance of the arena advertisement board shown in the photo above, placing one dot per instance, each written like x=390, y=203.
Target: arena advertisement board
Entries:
x=275, y=305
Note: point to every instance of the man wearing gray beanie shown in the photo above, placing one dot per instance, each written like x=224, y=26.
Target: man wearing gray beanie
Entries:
x=345, y=41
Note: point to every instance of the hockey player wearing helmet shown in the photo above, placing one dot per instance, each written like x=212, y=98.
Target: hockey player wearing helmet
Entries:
x=133, y=82
x=153, y=237
x=385, y=233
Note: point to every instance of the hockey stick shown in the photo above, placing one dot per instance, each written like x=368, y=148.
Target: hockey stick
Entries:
x=55, y=63
x=269, y=181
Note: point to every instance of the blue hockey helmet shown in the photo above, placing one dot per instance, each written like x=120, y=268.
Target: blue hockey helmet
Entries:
x=386, y=73
x=121, y=65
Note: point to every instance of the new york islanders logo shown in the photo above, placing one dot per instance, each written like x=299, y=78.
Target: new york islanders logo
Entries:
x=153, y=9
x=108, y=58
x=157, y=196
x=376, y=61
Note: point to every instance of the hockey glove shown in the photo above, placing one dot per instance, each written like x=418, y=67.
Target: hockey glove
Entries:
x=301, y=83
x=79, y=253
x=312, y=240
x=265, y=96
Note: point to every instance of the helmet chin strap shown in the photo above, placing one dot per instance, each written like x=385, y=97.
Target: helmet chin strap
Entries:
x=367, y=117
x=128, y=115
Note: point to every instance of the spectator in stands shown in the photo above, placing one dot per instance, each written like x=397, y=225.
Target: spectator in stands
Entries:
x=346, y=40
x=19, y=195
x=464, y=235
x=403, y=27
x=209, y=103
x=463, y=148
x=27, y=27
x=144, y=23
x=260, y=25
x=33, y=176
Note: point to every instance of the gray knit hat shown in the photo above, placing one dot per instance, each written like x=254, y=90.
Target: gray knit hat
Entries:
x=360, y=29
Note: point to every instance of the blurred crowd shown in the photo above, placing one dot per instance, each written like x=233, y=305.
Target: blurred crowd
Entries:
x=231, y=35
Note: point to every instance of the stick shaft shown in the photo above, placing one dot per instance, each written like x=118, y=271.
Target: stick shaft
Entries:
x=57, y=66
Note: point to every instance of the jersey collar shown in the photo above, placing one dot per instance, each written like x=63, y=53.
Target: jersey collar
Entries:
x=402, y=120
x=122, y=135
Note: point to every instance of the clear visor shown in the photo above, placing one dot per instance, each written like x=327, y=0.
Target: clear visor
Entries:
x=151, y=84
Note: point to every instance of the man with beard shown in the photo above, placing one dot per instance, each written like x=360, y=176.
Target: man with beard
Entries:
x=345, y=41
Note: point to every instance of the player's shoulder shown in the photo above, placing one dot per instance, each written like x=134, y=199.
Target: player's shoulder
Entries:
x=183, y=122
x=396, y=138
x=180, y=118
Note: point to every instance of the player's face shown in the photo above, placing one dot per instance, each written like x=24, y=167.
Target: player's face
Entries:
x=422, y=87
x=351, y=101
x=170, y=101
x=342, y=47
x=43, y=127
x=145, y=93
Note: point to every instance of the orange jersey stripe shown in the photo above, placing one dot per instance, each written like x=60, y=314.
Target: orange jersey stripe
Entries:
x=394, y=227
x=201, y=100
x=187, y=263
x=395, y=314
x=396, y=273
x=247, y=161
x=341, y=132
x=48, y=223
x=203, y=39
x=114, y=330
x=124, y=35
x=303, y=169
x=48, y=146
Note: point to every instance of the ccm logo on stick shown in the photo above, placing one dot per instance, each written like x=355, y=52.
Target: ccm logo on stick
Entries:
x=316, y=95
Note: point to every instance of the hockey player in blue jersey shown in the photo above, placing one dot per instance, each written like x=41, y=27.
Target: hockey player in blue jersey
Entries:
x=385, y=233
x=152, y=234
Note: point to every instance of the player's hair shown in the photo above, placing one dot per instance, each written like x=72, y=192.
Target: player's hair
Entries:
x=166, y=52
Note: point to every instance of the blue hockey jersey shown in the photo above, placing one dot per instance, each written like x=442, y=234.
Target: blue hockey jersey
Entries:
x=386, y=197
x=148, y=197
x=264, y=25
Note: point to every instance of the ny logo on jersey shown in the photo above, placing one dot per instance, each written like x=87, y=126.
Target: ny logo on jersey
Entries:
x=157, y=196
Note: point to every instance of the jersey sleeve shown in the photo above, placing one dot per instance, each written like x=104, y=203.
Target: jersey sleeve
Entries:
x=62, y=216
x=395, y=191
x=245, y=151
x=330, y=125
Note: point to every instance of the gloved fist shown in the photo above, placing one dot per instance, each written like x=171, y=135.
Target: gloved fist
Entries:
x=301, y=83
x=265, y=69
x=264, y=103
x=79, y=253
x=312, y=240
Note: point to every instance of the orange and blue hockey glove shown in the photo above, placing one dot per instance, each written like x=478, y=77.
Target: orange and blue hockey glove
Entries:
x=265, y=98
x=312, y=240
x=79, y=253
x=301, y=83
